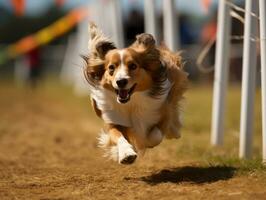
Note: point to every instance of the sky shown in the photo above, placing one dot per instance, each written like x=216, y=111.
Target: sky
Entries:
x=36, y=7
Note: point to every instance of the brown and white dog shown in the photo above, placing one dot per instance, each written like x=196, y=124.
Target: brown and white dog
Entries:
x=136, y=91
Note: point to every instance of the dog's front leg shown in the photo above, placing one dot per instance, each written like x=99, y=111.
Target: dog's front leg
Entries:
x=126, y=153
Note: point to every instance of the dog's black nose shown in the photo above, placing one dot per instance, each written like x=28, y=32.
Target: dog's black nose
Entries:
x=122, y=83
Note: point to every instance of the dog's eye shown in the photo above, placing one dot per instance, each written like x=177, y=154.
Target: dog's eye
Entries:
x=111, y=69
x=132, y=66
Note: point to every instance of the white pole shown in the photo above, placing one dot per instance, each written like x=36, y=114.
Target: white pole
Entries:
x=248, y=80
x=263, y=72
x=81, y=87
x=67, y=68
x=117, y=24
x=150, y=20
x=221, y=72
x=171, y=35
x=103, y=21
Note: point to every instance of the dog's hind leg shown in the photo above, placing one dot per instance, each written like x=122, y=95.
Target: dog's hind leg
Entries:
x=154, y=137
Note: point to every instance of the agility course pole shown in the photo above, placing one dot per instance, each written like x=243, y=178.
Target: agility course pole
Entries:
x=221, y=72
x=248, y=80
x=171, y=36
x=150, y=19
x=117, y=24
x=80, y=85
x=262, y=9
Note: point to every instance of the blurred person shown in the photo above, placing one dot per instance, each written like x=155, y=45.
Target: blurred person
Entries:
x=134, y=25
x=207, y=35
x=34, y=66
x=236, y=46
x=236, y=50
x=186, y=31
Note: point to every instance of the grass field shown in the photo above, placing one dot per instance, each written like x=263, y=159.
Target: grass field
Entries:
x=48, y=151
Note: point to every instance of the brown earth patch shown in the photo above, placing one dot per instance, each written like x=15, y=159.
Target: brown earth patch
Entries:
x=48, y=152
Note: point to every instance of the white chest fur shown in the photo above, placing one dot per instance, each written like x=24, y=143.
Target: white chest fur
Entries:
x=140, y=113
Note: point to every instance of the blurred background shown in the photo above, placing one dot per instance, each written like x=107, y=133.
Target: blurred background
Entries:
x=46, y=37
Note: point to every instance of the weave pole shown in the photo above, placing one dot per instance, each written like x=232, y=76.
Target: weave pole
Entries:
x=248, y=80
x=221, y=72
x=171, y=36
x=150, y=20
x=117, y=24
x=80, y=85
x=262, y=8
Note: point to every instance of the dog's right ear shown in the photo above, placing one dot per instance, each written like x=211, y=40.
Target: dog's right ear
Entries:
x=99, y=44
x=103, y=47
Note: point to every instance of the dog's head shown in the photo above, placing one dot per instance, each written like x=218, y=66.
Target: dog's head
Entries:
x=124, y=71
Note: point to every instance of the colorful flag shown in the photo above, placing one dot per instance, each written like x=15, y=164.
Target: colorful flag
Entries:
x=19, y=6
x=44, y=36
x=206, y=5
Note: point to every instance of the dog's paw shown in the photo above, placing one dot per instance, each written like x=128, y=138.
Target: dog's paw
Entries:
x=126, y=153
x=128, y=159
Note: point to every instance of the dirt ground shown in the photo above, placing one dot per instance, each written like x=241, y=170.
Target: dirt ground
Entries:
x=48, y=151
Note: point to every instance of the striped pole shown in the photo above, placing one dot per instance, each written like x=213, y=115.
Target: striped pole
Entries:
x=221, y=73
x=248, y=80
x=262, y=8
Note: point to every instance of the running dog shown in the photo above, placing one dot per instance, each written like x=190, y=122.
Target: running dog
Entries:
x=136, y=91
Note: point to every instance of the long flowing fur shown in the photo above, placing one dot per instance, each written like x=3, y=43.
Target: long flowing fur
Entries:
x=110, y=151
x=99, y=44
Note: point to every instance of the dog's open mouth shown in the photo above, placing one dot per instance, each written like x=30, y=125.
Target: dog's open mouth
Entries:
x=123, y=95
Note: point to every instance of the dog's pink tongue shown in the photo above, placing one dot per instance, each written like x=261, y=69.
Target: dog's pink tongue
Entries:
x=123, y=94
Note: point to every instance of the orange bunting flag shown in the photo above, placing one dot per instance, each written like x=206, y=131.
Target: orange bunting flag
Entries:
x=19, y=6
x=206, y=5
x=59, y=2
x=45, y=35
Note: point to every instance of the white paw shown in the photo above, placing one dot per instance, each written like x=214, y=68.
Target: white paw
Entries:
x=126, y=153
x=127, y=157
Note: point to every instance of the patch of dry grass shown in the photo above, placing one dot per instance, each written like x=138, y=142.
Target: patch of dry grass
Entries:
x=197, y=125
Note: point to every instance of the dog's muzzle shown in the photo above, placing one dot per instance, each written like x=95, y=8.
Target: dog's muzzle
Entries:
x=123, y=95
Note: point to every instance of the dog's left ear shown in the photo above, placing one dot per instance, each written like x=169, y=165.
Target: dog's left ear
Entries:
x=144, y=42
x=145, y=46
